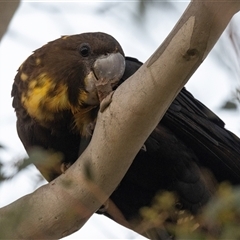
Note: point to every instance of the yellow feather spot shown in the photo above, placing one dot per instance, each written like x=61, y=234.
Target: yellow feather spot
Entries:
x=23, y=98
x=23, y=76
x=32, y=84
x=65, y=37
x=38, y=61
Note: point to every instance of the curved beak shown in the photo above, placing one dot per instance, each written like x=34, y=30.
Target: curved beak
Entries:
x=106, y=73
x=109, y=68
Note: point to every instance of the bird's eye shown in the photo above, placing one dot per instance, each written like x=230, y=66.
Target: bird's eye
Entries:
x=84, y=50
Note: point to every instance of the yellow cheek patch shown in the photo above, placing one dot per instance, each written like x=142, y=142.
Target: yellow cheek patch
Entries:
x=44, y=98
x=58, y=101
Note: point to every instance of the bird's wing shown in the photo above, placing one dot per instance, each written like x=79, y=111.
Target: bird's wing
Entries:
x=217, y=148
x=201, y=130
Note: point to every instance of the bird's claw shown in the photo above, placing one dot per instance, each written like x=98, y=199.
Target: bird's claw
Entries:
x=106, y=102
x=64, y=167
x=104, y=207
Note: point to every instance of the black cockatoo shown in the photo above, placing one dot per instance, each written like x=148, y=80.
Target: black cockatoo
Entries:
x=56, y=102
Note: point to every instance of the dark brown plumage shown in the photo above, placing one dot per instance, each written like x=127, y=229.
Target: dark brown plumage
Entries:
x=56, y=102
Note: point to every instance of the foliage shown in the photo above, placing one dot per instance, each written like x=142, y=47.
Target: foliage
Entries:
x=219, y=219
x=38, y=155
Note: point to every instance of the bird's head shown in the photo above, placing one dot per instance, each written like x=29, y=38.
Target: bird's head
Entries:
x=64, y=75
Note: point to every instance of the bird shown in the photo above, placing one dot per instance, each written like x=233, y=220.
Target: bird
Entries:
x=56, y=96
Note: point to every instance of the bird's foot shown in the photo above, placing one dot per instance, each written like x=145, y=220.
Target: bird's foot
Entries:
x=90, y=127
x=104, y=207
x=64, y=167
x=144, y=148
x=106, y=102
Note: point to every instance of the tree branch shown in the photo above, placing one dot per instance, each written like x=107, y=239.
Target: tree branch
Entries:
x=64, y=205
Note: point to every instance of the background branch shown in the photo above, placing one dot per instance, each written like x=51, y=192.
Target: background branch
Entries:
x=7, y=10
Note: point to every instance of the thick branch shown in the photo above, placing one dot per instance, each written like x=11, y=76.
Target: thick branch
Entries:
x=64, y=205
